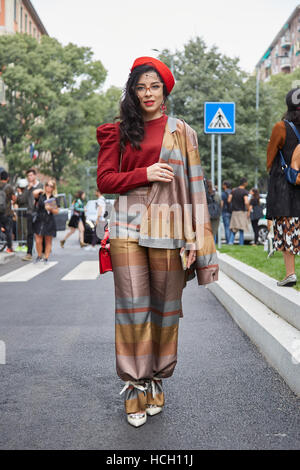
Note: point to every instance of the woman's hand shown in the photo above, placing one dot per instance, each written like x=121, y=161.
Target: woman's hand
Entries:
x=191, y=258
x=48, y=207
x=36, y=193
x=160, y=172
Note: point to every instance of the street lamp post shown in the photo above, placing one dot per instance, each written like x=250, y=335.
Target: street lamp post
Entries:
x=257, y=122
x=87, y=169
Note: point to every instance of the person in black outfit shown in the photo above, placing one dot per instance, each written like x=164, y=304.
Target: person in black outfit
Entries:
x=43, y=218
x=226, y=209
x=27, y=197
x=240, y=205
x=255, y=213
x=283, y=199
x=6, y=216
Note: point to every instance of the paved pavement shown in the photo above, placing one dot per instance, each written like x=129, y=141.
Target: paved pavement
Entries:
x=59, y=389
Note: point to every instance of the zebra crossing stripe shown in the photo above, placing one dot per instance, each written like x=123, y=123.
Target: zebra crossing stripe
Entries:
x=27, y=272
x=86, y=270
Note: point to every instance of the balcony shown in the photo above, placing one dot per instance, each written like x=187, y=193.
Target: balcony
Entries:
x=286, y=41
x=285, y=63
x=268, y=63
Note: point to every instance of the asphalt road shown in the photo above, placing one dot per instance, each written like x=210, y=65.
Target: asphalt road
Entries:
x=59, y=389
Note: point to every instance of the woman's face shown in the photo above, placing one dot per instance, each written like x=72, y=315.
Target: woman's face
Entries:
x=50, y=187
x=149, y=90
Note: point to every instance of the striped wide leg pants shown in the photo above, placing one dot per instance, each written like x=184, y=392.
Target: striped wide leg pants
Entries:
x=148, y=291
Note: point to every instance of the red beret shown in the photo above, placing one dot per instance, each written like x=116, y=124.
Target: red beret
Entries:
x=158, y=65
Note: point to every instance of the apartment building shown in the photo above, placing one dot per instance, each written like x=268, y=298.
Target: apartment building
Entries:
x=283, y=54
x=20, y=16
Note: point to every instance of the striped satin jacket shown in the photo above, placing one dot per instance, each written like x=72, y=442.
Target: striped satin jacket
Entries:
x=176, y=214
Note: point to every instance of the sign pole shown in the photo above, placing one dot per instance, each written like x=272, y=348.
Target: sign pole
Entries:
x=219, y=182
x=219, y=118
x=212, y=166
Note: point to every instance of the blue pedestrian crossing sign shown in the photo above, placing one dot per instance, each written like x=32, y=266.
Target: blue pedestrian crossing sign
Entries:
x=219, y=118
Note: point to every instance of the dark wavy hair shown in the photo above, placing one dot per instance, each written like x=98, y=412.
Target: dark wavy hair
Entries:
x=293, y=116
x=256, y=195
x=132, y=123
x=79, y=194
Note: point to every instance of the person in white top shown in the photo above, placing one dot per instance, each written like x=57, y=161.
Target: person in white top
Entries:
x=101, y=206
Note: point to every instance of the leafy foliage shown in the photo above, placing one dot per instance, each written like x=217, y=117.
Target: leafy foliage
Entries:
x=54, y=99
x=204, y=74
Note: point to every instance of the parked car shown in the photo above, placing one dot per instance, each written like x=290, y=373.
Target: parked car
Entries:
x=63, y=216
x=91, y=209
x=91, y=217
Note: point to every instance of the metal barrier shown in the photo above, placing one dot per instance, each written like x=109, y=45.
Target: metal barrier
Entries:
x=20, y=230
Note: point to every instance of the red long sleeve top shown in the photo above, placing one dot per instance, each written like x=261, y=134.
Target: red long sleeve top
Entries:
x=133, y=171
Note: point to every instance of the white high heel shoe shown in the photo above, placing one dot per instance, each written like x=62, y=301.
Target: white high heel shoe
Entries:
x=137, y=419
x=152, y=410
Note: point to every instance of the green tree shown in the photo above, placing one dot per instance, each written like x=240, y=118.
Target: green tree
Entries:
x=204, y=74
x=54, y=99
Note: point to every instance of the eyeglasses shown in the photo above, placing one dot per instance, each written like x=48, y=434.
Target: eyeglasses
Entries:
x=50, y=185
x=142, y=89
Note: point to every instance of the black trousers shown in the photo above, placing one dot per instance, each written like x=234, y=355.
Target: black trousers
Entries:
x=255, y=230
x=6, y=222
x=29, y=234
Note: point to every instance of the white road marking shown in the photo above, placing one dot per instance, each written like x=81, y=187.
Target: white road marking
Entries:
x=27, y=272
x=87, y=270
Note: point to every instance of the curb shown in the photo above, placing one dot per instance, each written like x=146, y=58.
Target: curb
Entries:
x=5, y=257
x=282, y=300
x=276, y=338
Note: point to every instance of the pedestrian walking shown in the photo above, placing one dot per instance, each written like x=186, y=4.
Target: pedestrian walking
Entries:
x=6, y=212
x=77, y=220
x=152, y=161
x=226, y=209
x=45, y=207
x=283, y=199
x=255, y=212
x=240, y=205
x=214, y=208
x=28, y=199
x=100, y=219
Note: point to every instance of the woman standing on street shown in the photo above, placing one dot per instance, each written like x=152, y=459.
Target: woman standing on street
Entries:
x=152, y=161
x=77, y=220
x=45, y=207
x=283, y=200
x=255, y=213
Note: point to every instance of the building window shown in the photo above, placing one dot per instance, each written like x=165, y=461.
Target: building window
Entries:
x=15, y=10
x=26, y=18
x=21, y=19
x=30, y=27
x=34, y=32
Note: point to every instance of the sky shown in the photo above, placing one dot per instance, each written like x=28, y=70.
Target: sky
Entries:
x=118, y=31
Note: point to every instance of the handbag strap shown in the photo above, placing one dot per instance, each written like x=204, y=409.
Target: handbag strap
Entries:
x=296, y=132
x=120, y=164
x=294, y=129
x=105, y=238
